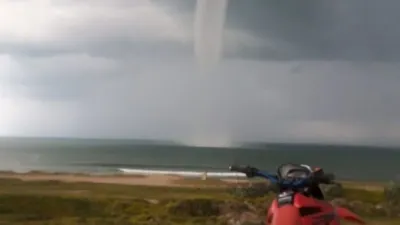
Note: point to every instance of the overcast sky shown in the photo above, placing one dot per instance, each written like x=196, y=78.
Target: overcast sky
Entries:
x=319, y=71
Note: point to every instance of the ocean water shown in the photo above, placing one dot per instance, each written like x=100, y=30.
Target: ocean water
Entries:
x=109, y=156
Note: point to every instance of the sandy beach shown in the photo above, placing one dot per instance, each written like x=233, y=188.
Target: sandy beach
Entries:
x=141, y=180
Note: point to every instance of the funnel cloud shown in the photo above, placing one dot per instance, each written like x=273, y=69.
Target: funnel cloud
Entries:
x=209, y=26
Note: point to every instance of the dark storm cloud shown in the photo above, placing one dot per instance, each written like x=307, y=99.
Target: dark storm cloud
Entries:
x=352, y=91
x=311, y=29
x=299, y=71
x=341, y=30
x=317, y=29
x=255, y=101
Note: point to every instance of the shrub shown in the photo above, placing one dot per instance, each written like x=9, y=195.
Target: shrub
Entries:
x=195, y=207
x=392, y=194
x=333, y=190
x=254, y=190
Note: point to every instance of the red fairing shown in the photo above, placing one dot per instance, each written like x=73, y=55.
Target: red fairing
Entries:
x=348, y=215
x=327, y=211
x=272, y=209
x=308, y=211
x=287, y=214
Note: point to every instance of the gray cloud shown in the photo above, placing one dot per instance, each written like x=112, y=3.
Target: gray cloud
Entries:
x=247, y=100
x=347, y=30
x=315, y=29
x=126, y=69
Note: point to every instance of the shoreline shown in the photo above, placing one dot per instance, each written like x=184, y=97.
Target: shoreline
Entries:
x=158, y=180
x=124, y=179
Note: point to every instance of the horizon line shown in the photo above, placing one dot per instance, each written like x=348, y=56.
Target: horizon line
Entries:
x=238, y=144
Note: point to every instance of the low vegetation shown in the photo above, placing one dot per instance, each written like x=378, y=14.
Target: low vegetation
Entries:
x=53, y=202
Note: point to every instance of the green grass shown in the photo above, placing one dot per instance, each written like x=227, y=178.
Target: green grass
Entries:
x=54, y=202
x=354, y=194
x=15, y=186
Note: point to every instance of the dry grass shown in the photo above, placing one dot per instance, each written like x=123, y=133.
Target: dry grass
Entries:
x=55, y=202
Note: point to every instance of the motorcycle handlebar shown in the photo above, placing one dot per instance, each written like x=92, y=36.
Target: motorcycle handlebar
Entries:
x=240, y=169
x=326, y=178
x=248, y=170
x=253, y=172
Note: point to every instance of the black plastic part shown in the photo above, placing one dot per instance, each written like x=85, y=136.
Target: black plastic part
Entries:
x=249, y=171
x=307, y=211
x=285, y=198
x=236, y=168
x=324, y=178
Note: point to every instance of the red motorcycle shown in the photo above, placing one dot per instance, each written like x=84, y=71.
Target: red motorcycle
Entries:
x=296, y=203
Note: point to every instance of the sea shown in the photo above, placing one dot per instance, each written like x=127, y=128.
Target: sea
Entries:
x=360, y=163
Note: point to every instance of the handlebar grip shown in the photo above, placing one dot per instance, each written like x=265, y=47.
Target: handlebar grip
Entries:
x=330, y=176
x=248, y=170
x=326, y=178
x=237, y=168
